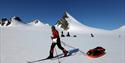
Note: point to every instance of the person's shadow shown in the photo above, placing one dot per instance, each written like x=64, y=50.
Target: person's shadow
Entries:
x=70, y=53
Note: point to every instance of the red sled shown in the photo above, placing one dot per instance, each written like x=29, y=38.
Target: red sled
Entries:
x=96, y=52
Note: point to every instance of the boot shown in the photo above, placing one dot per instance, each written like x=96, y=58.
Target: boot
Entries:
x=65, y=52
x=50, y=56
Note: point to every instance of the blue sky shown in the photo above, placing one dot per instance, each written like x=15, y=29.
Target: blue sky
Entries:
x=106, y=14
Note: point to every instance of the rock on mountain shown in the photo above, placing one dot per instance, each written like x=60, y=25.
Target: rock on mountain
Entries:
x=5, y=22
x=14, y=21
x=69, y=23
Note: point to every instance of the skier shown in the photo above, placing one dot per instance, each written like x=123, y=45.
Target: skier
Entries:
x=56, y=41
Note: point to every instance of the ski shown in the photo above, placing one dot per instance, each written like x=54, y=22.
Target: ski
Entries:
x=37, y=60
x=59, y=56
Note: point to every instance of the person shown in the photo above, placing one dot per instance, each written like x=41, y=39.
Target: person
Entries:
x=92, y=35
x=56, y=41
x=68, y=35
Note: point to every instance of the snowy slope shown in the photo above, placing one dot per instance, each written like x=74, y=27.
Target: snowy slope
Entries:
x=122, y=28
x=71, y=24
x=37, y=23
x=21, y=44
x=120, y=31
x=16, y=21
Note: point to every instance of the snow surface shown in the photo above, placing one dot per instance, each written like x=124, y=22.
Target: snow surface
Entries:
x=28, y=42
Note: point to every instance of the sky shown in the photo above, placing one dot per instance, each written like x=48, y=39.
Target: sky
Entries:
x=105, y=14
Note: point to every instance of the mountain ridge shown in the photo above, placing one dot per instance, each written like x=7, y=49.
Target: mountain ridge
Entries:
x=66, y=18
x=69, y=23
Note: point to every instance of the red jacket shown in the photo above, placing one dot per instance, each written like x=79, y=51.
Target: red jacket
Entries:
x=55, y=34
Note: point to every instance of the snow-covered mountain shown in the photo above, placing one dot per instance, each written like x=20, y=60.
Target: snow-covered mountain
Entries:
x=37, y=23
x=5, y=22
x=69, y=23
x=15, y=21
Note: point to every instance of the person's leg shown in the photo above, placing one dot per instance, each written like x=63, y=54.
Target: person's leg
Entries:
x=60, y=47
x=51, y=50
x=59, y=44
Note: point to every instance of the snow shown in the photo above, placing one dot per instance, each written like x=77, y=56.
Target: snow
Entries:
x=19, y=44
x=76, y=27
x=122, y=28
x=16, y=23
x=37, y=23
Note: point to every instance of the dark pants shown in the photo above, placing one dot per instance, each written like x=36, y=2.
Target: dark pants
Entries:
x=58, y=43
